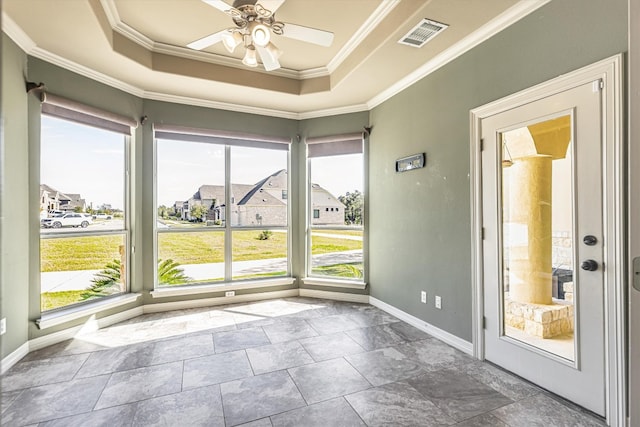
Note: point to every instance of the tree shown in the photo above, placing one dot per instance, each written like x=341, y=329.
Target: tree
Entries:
x=107, y=281
x=163, y=212
x=198, y=212
x=353, y=203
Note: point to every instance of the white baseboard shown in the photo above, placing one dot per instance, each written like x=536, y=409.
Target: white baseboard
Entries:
x=14, y=357
x=90, y=325
x=338, y=296
x=452, y=340
x=53, y=338
x=209, y=302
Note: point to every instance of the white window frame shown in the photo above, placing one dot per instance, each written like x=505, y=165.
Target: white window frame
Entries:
x=82, y=115
x=227, y=140
x=352, y=143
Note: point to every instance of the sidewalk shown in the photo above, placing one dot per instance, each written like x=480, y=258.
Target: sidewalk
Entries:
x=59, y=281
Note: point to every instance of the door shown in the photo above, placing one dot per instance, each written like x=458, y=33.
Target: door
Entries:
x=542, y=217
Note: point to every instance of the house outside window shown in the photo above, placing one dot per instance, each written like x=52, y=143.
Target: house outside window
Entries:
x=233, y=224
x=335, y=241
x=84, y=232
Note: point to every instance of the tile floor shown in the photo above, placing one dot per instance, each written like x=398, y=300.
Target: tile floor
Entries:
x=286, y=362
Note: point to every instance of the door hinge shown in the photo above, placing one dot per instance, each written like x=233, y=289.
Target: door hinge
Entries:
x=482, y=233
x=481, y=144
x=598, y=85
x=484, y=322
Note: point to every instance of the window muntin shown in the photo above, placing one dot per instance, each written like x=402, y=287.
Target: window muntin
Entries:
x=247, y=218
x=83, y=213
x=336, y=224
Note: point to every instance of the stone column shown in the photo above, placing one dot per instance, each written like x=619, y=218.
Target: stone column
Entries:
x=530, y=208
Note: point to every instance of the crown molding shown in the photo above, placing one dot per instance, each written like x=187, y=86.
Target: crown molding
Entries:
x=499, y=23
x=376, y=17
x=199, y=102
x=117, y=25
x=357, y=108
x=85, y=71
x=183, y=52
x=15, y=33
x=496, y=25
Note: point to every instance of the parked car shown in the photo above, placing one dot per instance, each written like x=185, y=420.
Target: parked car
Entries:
x=71, y=219
x=102, y=216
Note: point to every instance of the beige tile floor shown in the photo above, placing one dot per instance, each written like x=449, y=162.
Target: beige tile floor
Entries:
x=285, y=362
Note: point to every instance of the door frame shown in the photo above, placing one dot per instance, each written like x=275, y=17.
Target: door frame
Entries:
x=609, y=71
x=634, y=209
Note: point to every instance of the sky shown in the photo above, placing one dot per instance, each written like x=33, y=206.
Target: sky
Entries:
x=81, y=159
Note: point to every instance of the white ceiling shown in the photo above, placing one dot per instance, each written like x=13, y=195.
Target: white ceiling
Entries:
x=139, y=46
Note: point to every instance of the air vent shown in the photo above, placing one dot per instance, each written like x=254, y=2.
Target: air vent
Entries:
x=422, y=33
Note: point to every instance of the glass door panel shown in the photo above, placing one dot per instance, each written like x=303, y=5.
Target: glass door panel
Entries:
x=538, y=236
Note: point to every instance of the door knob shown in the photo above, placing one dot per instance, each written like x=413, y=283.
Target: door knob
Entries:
x=589, y=265
x=590, y=240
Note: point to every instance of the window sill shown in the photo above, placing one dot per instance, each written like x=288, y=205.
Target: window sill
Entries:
x=207, y=289
x=73, y=313
x=335, y=283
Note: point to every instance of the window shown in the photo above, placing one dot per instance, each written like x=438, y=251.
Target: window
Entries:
x=191, y=212
x=220, y=212
x=83, y=213
x=336, y=169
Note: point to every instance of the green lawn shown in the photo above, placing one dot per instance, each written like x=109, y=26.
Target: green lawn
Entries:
x=51, y=300
x=78, y=252
x=350, y=271
x=339, y=232
x=93, y=252
x=323, y=245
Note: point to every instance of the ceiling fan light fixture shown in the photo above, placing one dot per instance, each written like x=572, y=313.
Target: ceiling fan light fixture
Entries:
x=250, y=59
x=273, y=51
x=232, y=40
x=261, y=35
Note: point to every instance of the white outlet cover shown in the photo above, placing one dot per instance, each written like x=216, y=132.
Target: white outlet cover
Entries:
x=3, y=326
x=438, y=302
x=423, y=297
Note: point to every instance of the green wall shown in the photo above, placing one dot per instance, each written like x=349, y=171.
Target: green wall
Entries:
x=420, y=220
x=14, y=262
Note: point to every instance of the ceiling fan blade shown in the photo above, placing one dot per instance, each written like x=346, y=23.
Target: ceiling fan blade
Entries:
x=269, y=61
x=271, y=5
x=218, y=4
x=207, y=41
x=309, y=35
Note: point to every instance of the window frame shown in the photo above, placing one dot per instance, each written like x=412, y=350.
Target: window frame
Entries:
x=319, y=147
x=226, y=140
x=94, y=123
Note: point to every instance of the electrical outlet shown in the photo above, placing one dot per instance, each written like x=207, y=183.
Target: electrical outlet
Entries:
x=438, y=302
x=423, y=297
x=230, y=294
x=3, y=326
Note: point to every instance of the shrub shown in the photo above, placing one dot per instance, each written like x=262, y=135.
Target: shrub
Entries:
x=107, y=281
x=265, y=235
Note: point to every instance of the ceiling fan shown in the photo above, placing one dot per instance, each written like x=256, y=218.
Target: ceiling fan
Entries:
x=254, y=23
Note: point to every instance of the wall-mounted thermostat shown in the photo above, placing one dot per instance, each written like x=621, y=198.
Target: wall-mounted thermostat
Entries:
x=411, y=162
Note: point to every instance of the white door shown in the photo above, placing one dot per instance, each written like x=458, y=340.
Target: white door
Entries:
x=542, y=217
